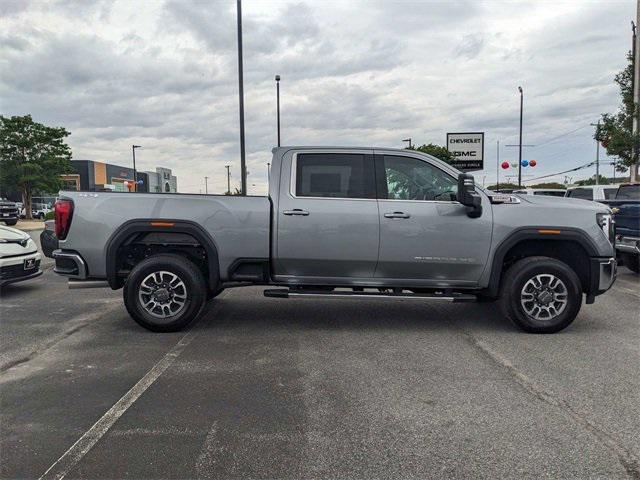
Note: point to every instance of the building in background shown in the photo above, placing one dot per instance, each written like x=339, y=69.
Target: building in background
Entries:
x=92, y=176
x=162, y=181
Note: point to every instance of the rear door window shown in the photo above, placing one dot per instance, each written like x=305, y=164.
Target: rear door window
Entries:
x=610, y=193
x=583, y=193
x=335, y=175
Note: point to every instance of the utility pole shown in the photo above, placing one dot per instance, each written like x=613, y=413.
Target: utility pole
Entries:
x=597, y=125
x=135, y=175
x=268, y=172
x=278, y=105
x=520, y=143
x=498, y=166
x=206, y=186
x=636, y=94
x=409, y=139
x=243, y=165
x=228, y=179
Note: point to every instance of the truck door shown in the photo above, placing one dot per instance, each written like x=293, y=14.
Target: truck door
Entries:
x=327, y=216
x=425, y=234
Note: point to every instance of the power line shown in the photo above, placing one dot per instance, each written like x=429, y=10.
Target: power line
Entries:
x=560, y=136
x=586, y=165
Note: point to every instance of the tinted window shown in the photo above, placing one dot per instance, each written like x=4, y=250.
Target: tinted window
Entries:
x=629, y=192
x=610, y=193
x=584, y=193
x=550, y=193
x=412, y=179
x=335, y=175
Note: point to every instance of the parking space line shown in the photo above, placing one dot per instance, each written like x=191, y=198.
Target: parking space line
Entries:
x=85, y=443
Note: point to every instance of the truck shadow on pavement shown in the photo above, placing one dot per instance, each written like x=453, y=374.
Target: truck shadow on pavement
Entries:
x=235, y=311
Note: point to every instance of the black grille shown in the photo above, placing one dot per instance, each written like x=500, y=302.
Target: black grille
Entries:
x=15, y=271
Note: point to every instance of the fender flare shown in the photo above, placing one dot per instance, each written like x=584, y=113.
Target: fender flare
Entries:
x=533, y=233
x=165, y=226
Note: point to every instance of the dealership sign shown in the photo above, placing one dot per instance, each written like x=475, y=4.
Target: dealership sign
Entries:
x=468, y=150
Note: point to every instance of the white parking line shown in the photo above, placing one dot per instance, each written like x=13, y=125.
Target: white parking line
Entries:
x=81, y=447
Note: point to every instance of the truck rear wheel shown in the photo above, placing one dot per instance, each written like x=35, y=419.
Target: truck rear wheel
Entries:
x=540, y=294
x=164, y=293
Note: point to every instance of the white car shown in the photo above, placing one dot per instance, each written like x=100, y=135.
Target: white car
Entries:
x=19, y=257
x=549, y=192
x=593, y=192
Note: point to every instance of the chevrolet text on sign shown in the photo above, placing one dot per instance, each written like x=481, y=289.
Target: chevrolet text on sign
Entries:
x=468, y=150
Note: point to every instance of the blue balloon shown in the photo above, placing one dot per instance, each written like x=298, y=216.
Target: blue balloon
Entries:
x=140, y=182
x=525, y=163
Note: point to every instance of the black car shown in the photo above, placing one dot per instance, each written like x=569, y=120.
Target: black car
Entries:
x=9, y=213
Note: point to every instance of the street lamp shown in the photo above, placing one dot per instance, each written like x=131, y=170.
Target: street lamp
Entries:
x=408, y=140
x=520, y=143
x=243, y=162
x=278, y=104
x=135, y=175
x=228, y=179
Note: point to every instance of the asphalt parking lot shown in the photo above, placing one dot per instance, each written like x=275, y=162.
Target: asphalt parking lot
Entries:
x=274, y=388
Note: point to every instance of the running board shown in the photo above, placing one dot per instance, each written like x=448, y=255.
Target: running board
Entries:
x=286, y=293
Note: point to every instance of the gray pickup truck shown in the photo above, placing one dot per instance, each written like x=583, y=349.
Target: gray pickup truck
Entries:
x=341, y=222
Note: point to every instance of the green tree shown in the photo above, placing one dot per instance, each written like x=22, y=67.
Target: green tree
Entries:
x=32, y=157
x=592, y=181
x=436, y=151
x=616, y=129
x=505, y=186
x=549, y=185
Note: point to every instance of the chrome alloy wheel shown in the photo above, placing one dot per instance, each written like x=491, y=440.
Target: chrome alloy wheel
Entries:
x=544, y=297
x=162, y=294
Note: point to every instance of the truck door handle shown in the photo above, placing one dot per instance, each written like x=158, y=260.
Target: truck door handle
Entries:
x=396, y=215
x=296, y=211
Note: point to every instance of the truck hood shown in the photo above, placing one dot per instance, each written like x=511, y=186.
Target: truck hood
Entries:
x=564, y=202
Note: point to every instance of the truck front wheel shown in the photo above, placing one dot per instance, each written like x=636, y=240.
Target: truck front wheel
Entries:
x=540, y=294
x=164, y=293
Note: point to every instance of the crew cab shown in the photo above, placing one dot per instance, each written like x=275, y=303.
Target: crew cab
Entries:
x=341, y=222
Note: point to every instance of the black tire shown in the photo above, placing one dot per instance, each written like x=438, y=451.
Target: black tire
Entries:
x=11, y=223
x=632, y=262
x=511, y=295
x=194, y=291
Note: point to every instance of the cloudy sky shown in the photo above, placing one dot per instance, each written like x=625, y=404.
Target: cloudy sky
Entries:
x=163, y=74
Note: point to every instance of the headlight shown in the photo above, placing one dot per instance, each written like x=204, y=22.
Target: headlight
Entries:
x=606, y=223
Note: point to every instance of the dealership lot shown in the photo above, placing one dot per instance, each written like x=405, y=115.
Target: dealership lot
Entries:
x=270, y=388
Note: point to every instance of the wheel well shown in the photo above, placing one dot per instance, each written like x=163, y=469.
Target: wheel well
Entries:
x=567, y=251
x=142, y=244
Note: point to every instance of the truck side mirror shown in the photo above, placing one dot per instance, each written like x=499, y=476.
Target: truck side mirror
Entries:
x=468, y=196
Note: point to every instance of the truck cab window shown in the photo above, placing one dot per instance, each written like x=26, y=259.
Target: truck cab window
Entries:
x=412, y=179
x=334, y=175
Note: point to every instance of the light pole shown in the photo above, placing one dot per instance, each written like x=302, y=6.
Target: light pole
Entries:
x=597, y=125
x=268, y=172
x=243, y=165
x=520, y=143
x=498, y=166
x=278, y=104
x=206, y=186
x=228, y=179
x=408, y=140
x=135, y=175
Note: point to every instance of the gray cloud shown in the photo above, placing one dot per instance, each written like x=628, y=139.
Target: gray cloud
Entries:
x=164, y=75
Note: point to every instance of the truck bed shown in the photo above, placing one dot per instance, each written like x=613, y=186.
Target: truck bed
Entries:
x=238, y=225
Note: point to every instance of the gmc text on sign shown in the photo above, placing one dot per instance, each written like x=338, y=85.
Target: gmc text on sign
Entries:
x=468, y=150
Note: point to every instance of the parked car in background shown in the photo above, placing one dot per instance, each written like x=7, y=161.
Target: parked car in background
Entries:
x=626, y=210
x=9, y=213
x=19, y=257
x=38, y=210
x=48, y=239
x=593, y=192
x=550, y=192
x=342, y=222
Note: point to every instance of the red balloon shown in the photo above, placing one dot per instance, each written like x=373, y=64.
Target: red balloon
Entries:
x=533, y=163
x=505, y=165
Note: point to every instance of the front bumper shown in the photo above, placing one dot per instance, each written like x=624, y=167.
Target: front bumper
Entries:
x=628, y=244
x=13, y=269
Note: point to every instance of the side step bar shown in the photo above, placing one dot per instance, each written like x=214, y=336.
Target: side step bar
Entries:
x=287, y=293
x=75, y=284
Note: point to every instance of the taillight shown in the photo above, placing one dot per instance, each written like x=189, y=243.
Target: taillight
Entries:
x=63, y=213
